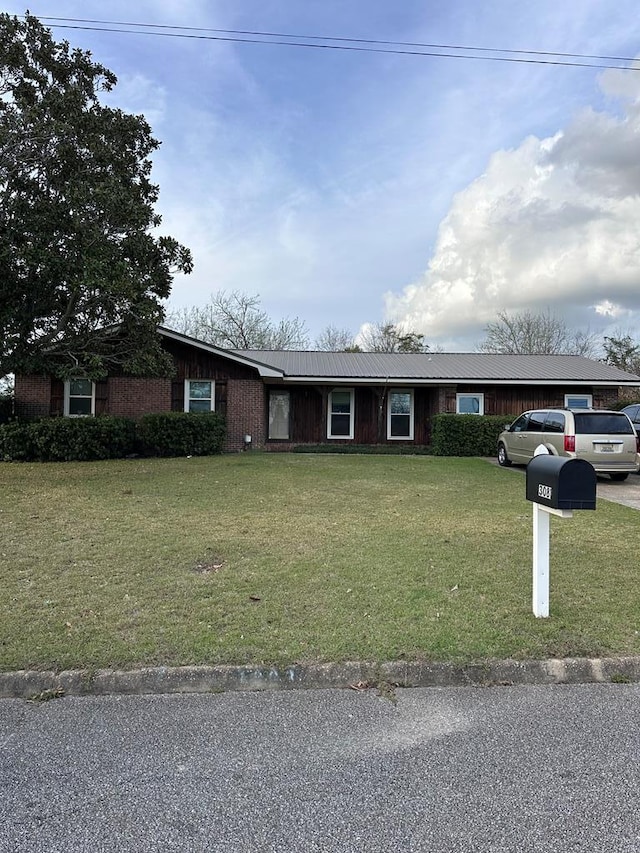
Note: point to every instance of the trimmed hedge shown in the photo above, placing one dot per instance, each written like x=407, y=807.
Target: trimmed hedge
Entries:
x=467, y=435
x=106, y=437
x=67, y=439
x=372, y=449
x=181, y=434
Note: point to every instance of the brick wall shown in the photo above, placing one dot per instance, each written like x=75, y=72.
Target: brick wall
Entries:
x=131, y=398
x=33, y=396
x=245, y=413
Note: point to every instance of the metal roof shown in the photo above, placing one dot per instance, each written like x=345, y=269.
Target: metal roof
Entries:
x=444, y=367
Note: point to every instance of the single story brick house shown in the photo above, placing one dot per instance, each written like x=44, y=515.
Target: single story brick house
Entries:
x=285, y=398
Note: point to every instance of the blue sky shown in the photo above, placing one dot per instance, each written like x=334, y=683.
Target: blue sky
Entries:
x=351, y=187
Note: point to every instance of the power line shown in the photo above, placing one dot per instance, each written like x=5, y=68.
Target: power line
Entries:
x=355, y=44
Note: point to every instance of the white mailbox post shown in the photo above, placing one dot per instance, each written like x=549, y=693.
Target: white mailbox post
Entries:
x=541, y=526
x=557, y=486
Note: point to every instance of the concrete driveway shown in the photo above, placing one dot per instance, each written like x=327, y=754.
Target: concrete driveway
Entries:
x=627, y=493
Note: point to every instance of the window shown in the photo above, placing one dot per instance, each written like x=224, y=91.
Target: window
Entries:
x=199, y=395
x=602, y=423
x=340, y=414
x=554, y=422
x=400, y=415
x=578, y=401
x=536, y=421
x=470, y=404
x=279, y=414
x=520, y=425
x=79, y=398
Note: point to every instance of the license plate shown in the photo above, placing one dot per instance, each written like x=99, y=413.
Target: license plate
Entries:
x=606, y=448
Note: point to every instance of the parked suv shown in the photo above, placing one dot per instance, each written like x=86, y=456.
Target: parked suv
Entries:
x=606, y=439
x=633, y=412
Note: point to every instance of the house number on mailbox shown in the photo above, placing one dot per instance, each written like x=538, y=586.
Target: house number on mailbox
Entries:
x=545, y=492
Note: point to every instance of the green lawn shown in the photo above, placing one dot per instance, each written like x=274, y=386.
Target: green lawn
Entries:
x=280, y=558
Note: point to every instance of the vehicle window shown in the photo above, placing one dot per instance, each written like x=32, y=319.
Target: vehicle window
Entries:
x=595, y=423
x=632, y=412
x=520, y=424
x=554, y=422
x=536, y=421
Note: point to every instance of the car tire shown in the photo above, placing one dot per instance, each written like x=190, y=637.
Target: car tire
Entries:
x=503, y=459
x=618, y=478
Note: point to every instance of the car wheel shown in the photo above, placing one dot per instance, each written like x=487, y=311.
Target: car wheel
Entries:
x=618, y=477
x=503, y=459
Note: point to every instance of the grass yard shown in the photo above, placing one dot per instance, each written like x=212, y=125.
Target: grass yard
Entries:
x=279, y=558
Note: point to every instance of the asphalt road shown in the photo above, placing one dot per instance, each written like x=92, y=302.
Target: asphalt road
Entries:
x=552, y=768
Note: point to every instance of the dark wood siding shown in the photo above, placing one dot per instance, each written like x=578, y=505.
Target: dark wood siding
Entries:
x=57, y=397
x=512, y=400
x=194, y=363
x=308, y=414
x=102, y=397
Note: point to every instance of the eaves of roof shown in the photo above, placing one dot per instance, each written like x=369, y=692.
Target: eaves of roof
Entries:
x=267, y=371
x=340, y=368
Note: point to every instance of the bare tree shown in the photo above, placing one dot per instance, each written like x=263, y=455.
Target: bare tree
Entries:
x=236, y=320
x=526, y=333
x=333, y=339
x=387, y=337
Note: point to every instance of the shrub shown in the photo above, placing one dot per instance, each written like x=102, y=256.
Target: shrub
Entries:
x=6, y=408
x=67, y=439
x=467, y=435
x=181, y=434
x=373, y=449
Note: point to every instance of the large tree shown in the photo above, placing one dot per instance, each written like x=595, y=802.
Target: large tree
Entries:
x=527, y=333
x=334, y=339
x=81, y=275
x=622, y=351
x=236, y=320
x=388, y=337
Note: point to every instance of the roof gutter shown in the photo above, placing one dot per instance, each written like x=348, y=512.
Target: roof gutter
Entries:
x=460, y=380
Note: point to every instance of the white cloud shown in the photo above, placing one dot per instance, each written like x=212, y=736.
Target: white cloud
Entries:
x=139, y=95
x=552, y=223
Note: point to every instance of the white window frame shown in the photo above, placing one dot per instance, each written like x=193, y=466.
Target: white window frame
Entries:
x=587, y=397
x=351, y=413
x=68, y=396
x=470, y=394
x=188, y=398
x=408, y=437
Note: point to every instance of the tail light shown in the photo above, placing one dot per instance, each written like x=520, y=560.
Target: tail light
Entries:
x=570, y=444
x=637, y=443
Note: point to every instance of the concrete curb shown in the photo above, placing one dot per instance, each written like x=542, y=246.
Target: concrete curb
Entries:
x=30, y=684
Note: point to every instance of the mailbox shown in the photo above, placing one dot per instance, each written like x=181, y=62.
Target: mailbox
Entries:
x=561, y=483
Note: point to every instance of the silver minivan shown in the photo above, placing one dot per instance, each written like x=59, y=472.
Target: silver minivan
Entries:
x=604, y=438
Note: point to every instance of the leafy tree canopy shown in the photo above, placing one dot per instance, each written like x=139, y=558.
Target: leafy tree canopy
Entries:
x=622, y=351
x=388, y=337
x=81, y=276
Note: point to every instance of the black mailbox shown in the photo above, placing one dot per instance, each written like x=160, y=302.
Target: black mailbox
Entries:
x=561, y=483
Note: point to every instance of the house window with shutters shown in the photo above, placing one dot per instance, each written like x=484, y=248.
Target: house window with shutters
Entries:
x=79, y=398
x=199, y=395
